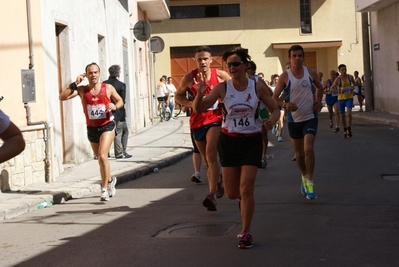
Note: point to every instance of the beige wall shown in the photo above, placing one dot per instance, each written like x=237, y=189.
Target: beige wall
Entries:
x=263, y=23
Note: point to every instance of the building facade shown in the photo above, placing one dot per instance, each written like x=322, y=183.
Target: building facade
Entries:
x=45, y=45
x=384, y=49
x=329, y=31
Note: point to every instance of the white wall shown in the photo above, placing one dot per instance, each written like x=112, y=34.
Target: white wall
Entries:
x=85, y=21
x=385, y=32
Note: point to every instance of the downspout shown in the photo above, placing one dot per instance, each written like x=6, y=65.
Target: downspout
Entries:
x=367, y=64
x=46, y=131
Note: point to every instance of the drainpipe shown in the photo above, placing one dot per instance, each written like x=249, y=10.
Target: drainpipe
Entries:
x=28, y=12
x=46, y=131
x=368, y=73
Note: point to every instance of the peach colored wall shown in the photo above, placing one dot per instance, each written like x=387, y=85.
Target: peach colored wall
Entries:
x=14, y=56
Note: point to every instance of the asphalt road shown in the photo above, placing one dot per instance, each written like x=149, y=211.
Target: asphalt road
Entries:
x=158, y=220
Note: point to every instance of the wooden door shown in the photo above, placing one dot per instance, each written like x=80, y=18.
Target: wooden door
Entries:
x=182, y=60
x=311, y=59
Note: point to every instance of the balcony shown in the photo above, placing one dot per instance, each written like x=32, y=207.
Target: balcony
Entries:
x=155, y=9
x=373, y=5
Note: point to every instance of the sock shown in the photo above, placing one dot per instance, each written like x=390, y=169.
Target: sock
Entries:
x=197, y=174
x=309, y=181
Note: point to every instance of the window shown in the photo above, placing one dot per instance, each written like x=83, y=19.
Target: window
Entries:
x=306, y=18
x=204, y=11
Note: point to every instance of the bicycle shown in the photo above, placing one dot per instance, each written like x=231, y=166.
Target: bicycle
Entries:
x=164, y=112
x=177, y=109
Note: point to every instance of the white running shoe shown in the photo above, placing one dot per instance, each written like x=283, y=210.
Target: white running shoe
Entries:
x=104, y=195
x=111, y=187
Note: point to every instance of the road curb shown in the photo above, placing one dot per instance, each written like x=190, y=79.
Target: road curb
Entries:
x=379, y=120
x=18, y=206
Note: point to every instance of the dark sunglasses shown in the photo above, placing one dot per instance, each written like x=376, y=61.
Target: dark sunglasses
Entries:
x=234, y=64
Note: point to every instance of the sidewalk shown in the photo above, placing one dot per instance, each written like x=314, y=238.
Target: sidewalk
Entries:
x=156, y=146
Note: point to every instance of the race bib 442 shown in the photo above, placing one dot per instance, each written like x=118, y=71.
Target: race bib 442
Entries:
x=96, y=112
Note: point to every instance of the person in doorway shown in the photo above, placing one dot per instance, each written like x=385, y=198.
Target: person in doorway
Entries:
x=205, y=126
x=122, y=132
x=303, y=95
x=98, y=109
x=13, y=141
x=240, y=140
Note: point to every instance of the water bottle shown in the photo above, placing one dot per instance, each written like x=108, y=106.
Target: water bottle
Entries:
x=44, y=204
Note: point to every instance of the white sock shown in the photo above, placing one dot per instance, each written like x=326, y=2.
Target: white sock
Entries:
x=197, y=174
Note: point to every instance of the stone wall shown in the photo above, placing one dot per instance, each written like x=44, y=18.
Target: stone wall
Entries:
x=28, y=167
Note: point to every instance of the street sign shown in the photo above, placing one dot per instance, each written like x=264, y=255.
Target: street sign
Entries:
x=142, y=30
x=157, y=44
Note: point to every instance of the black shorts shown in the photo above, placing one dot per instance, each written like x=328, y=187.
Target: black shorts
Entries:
x=298, y=130
x=163, y=98
x=94, y=133
x=200, y=133
x=240, y=151
x=195, y=148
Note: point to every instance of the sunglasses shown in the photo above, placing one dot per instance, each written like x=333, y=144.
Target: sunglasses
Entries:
x=234, y=64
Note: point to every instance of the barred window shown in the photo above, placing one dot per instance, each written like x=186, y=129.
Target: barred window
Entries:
x=204, y=11
x=306, y=18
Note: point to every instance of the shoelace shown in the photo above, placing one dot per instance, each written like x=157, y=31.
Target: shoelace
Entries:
x=310, y=188
x=243, y=234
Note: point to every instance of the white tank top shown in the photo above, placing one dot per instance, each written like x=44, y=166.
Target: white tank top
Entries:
x=301, y=92
x=161, y=88
x=241, y=109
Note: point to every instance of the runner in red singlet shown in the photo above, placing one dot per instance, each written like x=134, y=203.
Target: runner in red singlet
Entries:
x=205, y=126
x=97, y=107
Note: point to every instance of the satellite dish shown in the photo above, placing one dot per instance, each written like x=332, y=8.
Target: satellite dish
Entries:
x=142, y=30
x=157, y=44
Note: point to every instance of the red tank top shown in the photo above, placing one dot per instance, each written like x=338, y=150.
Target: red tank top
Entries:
x=212, y=114
x=95, y=107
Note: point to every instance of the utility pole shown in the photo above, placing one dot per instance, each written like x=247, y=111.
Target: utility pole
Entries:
x=368, y=85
